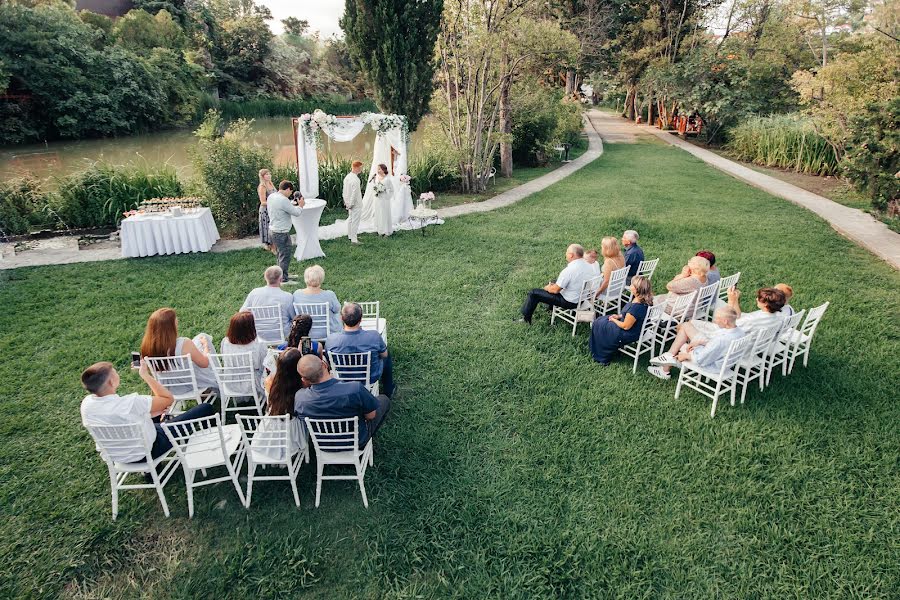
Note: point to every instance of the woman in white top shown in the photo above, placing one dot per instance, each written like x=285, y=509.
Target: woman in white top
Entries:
x=241, y=339
x=313, y=293
x=161, y=339
x=383, y=201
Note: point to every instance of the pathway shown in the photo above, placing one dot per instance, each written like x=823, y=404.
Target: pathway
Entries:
x=60, y=256
x=860, y=227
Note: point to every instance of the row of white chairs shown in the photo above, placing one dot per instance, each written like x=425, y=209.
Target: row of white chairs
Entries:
x=199, y=445
x=270, y=324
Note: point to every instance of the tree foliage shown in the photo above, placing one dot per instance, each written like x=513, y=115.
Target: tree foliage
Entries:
x=393, y=43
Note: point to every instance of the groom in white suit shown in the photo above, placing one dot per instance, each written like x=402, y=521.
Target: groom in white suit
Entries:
x=353, y=201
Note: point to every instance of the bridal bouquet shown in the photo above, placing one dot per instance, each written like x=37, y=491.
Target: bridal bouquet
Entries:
x=378, y=188
x=405, y=179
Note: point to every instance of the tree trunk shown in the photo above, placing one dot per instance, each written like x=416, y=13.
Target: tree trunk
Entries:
x=570, y=82
x=628, y=109
x=506, y=162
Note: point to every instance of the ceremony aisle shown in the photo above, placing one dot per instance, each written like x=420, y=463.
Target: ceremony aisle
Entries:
x=510, y=465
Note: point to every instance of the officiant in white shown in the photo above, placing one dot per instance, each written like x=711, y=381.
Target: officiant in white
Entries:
x=382, y=188
x=353, y=201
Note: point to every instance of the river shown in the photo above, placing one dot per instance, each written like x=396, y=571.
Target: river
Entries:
x=57, y=159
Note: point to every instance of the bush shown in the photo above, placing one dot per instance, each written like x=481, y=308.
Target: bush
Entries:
x=785, y=141
x=872, y=162
x=98, y=196
x=431, y=171
x=227, y=169
x=20, y=203
x=542, y=119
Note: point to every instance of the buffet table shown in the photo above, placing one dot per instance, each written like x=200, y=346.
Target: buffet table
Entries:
x=164, y=233
x=307, y=226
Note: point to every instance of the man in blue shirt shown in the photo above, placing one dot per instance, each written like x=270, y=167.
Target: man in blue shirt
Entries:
x=354, y=339
x=633, y=253
x=330, y=398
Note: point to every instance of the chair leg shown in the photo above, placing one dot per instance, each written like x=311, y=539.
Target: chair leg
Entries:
x=292, y=473
x=319, y=467
x=188, y=483
x=251, y=470
x=159, y=490
x=115, y=493
x=362, y=485
x=237, y=484
x=678, y=387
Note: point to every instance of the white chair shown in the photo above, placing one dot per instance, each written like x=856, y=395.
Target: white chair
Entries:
x=237, y=378
x=355, y=366
x=678, y=314
x=610, y=300
x=648, y=334
x=269, y=324
x=205, y=443
x=755, y=365
x=725, y=283
x=492, y=175
x=114, y=442
x=267, y=441
x=706, y=297
x=321, y=317
x=584, y=309
x=800, y=340
x=176, y=373
x=337, y=443
x=371, y=318
x=781, y=350
x=713, y=384
x=645, y=269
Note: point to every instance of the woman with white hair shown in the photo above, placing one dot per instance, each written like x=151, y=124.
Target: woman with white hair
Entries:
x=313, y=293
x=691, y=279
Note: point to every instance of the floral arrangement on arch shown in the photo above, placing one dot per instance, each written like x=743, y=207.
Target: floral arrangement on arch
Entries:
x=312, y=124
x=385, y=123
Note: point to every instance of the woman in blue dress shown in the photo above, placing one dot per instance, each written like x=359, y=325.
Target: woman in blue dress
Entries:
x=611, y=332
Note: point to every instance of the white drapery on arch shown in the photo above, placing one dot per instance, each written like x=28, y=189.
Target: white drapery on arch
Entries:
x=391, y=136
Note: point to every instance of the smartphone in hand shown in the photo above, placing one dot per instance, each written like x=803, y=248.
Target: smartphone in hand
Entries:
x=135, y=360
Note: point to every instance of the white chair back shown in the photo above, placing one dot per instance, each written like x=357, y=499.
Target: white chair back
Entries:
x=334, y=435
x=176, y=373
x=268, y=439
x=706, y=297
x=120, y=443
x=269, y=324
x=727, y=282
x=738, y=350
x=646, y=341
x=370, y=310
x=321, y=317
x=617, y=282
x=588, y=289
x=356, y=366
x=812, y=321
x=681, y=308
x=646, y=268
x=237, y=377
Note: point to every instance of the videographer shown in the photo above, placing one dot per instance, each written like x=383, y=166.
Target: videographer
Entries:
x=281, y=209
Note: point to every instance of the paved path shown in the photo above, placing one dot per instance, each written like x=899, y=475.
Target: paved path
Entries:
x=34, y=258
x=860, y=227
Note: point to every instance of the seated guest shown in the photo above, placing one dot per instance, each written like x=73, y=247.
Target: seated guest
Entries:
x=565, y=290
x=161, y=340
x=272, y=295
x=281, y=387
x=691, y=279
x=786, y=310
x=609, y=333
x=300, y=328
x=707, y=350
x=769, y=301
x=612, y=260
x=634, y=254
x=313, y=293
x=590, y=257
x=354, y=339
x=328, y=398
x=240, y=339
x=104, y=406
x=713, y=275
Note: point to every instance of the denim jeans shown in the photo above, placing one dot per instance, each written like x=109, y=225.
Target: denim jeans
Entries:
x=162, y=444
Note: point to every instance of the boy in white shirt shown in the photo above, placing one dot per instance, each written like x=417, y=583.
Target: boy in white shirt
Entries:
x=104, y=406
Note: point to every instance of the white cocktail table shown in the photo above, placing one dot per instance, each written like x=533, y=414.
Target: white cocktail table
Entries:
x=307, y=226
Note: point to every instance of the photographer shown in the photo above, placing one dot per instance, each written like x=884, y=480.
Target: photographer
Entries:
x=281, y=209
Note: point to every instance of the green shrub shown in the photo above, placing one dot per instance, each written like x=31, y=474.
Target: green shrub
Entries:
x=432, y=172
x=872, y=161
x=20, y=206
x=542, y=118
x=98, y=196
x=332, y=171
x=227, y=169
x=785, y=141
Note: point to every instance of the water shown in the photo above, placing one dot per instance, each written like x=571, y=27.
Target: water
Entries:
x=169, y=147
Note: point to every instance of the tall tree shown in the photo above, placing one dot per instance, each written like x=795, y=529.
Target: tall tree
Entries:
x=392, y=41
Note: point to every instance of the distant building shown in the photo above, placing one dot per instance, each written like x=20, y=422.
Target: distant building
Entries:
x=110, y=8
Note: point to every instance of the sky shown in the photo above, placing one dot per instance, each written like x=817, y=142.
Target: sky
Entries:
x=322, y=15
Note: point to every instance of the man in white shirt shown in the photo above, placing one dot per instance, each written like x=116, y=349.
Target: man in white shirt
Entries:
x=353, y=201
x=104, y=406
x=272, y=294
x=565, y=291
x=281, y=209
x=707, y=347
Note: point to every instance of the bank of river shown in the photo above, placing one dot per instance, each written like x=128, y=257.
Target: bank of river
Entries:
x=56, y=159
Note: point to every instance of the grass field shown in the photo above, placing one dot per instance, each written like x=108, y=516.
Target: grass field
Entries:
x=511, y=465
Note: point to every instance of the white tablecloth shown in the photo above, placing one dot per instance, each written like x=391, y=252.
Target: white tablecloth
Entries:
x=150, y=234
x=307, y=226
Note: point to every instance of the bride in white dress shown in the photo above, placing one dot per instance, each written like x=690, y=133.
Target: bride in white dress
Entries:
x=383, y=201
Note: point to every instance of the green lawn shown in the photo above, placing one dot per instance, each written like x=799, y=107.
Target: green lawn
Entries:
x=511, y=465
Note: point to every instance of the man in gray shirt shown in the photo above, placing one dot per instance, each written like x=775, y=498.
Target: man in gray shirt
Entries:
x=281, y=209
x=272, y=295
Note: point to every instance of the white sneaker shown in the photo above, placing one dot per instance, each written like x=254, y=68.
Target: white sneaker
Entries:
x=659, y=373
x=666, y=360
